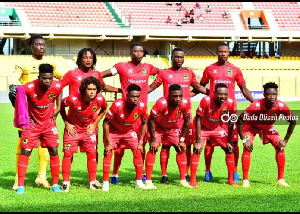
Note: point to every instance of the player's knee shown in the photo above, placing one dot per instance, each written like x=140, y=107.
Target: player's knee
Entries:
x=68, y=155
x=137, y=158
x=26, y=152
x=53, y=151
x=119, y=152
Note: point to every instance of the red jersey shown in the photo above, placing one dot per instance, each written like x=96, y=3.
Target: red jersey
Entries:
x=227, y=74
x=211, y=113
x=73, y=78
x=167, y=117
x=258, y=116
x=134, y=74
x=40, y=104
x=81, y=114
x=185, y=78
x=121, y=119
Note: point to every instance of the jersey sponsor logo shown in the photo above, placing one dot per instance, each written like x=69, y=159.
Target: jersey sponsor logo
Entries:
x=247, y=136
x=94, y=108
x=67, y=146
x=47, y=106
x=25, y=141
x=136, y=115
x=222, y=81
x=144, y=71
x=229, y=72
x=51, y=95
x=136, y=81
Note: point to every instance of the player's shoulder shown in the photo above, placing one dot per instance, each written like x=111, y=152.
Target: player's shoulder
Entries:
x=30, y=85
x=118, y=103
x=100, y=97
x=56, y=84
x=162, y=101
x=281, y=104
x=142, y=105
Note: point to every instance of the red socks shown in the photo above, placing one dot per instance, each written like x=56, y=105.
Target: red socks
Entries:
x=150, y=161
x=181, y=162
x=138, y=163
x=230, y=166
x=54, y=166
x=188, y=158
x=280, y=159
x=246, y=158
x=194, y=166
x=66, y=166
x=208, y=152
x=106, y=166
x=118, y=155
x=22, y=168
x=164, y=157
x=92, y=165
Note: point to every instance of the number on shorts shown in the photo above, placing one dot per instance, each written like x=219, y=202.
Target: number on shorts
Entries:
x=133, y=134
x=190, y=131
x=273, y=130
x=223, y=133
x=93, y=137
x=178, y=131
x=54, y=130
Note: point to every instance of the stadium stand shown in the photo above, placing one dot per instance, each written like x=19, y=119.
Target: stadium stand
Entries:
x=286, y=14
x=154, y=15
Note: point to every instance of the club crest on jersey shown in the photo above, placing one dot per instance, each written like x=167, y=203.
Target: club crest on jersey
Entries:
x=224, y=110
x=178, y=112
x=136, y=115
x=247, y=136
x=144, y=71
x=185, y=76
x=94, y=108
x=51, y=95
x=229, y=71
x=25, y=141
x=67, y=146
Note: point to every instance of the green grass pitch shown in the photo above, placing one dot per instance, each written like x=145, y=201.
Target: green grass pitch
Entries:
x=263, y=195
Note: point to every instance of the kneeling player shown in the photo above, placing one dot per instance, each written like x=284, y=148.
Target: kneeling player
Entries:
x=41, y=95
x=118, y=132
x=81, y=126
x=259, y=118
x=164, y=128
x=209, y=126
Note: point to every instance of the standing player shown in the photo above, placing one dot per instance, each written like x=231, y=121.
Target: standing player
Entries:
x=81, y=126
x=27, y=71
x=259, y=118
x=118, y=131
x=164, y=128
x=131, y=72
x=224, y=72
x=209, y=126
x=186, y=78
x=41, y=95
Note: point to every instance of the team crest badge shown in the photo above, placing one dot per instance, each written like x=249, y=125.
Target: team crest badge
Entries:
x=144, y=70
x=247, y=137
x=67, y=146
x=224, y=110
x=185, y=76
x=136, y=115
x=229, y=71
x=94, y=108
x=178, y=112
x=25, y=141
x=51, y=95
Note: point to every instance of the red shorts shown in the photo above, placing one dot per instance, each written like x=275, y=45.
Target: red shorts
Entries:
x=217, y=136
x=87, y=142
x=168, y=137
x=128, y=140
x=268, y=135
x=47, y=135
x=136, y=127
x=82, y=148
x=189, y=135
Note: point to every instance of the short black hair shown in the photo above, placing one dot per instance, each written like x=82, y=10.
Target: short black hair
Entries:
x=45, y=68
x=177, y=49
x=270, y=85
x=135, y=44
x=83, y=51
x=174, y=87
x=133, y=87
x=222, y=44
x=33, y=38
x=220, y=85
x=87, y=81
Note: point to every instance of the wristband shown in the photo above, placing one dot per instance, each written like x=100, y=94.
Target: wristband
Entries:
x=244, y=141
x=182, y=138
x=140, y=142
